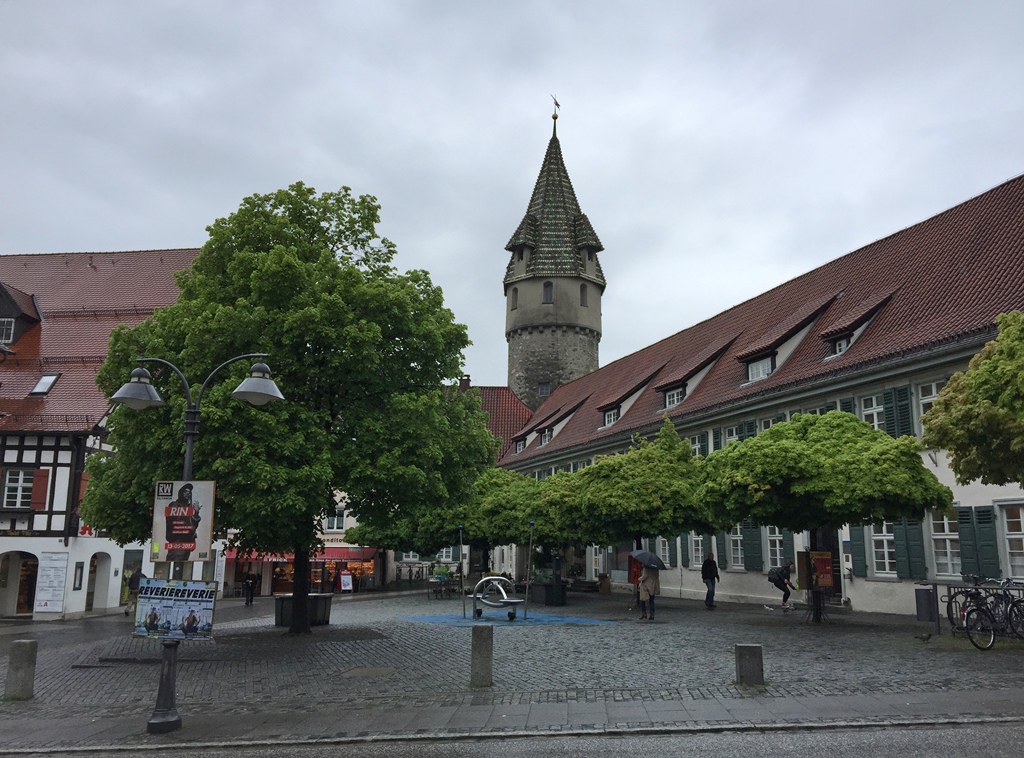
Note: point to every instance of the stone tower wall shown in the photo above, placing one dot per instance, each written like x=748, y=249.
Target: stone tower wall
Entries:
x=552, y=354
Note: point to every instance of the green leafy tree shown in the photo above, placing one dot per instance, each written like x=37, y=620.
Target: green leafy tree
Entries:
x=818, y=471
x=361, y=353
x=649, y=490
x=978, y=416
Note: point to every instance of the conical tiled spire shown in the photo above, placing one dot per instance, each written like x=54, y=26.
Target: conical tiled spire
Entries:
x=554, y=227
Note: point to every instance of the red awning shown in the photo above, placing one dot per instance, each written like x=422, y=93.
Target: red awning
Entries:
x=327, y=554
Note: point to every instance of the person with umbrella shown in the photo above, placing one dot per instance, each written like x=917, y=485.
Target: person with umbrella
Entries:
x=650, y=584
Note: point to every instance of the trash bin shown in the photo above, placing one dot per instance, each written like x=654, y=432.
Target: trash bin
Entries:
x=925, y=597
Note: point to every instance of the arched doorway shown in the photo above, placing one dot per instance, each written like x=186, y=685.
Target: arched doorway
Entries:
x=97, y=595
x=18, y=573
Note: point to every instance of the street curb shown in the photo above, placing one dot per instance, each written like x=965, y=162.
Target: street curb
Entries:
x=464, y=735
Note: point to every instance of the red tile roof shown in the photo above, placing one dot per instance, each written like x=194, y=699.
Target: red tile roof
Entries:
x=81, y=298
x=506, y=413
x=946, y=279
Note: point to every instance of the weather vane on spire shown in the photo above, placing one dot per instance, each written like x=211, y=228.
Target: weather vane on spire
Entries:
x=557, y=106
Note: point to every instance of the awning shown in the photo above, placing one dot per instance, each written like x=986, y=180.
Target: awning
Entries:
x=327, y=554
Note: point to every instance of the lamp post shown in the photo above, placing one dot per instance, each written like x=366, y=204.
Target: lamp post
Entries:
x=138, y=394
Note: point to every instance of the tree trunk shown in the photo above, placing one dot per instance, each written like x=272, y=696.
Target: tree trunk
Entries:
x=815, y=595
x=300, y=592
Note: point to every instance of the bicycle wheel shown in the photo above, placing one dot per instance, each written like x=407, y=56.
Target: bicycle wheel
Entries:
x=980, y=628
x=1015, y=619
x=956, y=608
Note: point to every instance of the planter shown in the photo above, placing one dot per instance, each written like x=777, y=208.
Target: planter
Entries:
x=319, y=609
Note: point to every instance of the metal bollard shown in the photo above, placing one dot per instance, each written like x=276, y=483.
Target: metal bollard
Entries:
x=482, y=666
x=21, y=670
x=749, y=664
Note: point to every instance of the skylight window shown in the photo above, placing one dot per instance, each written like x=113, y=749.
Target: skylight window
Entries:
x=45, y=384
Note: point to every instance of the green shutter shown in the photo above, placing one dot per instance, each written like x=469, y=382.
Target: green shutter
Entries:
x=749, y=429
x=722, y=563
x=780, y=417
x=673, y=553
x=716, y=438
x=908, y=538
x=829, y=406
x=848, y=405
x=788, y=551
x=988, y=546
x=752, y=560
x=969, y=565
x=684, y=550
x=703, y=441
x=857, y=554
x=898, y=417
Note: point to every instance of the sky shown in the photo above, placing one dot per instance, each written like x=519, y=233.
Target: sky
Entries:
x=718, y=148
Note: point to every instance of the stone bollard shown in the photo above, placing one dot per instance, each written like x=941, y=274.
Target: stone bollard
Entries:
x=21, y=670
x=482, y=667
x=749, y=664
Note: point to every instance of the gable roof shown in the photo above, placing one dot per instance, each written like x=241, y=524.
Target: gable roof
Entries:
x=81, y=297
x=939, y=283
x=506, y=414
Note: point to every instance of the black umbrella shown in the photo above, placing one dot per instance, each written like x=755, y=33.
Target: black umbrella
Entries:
x=647, y=558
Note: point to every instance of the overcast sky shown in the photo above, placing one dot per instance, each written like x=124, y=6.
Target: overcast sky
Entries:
x=718, y=148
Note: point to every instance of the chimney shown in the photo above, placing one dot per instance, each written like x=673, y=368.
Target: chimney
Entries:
x=464, y=383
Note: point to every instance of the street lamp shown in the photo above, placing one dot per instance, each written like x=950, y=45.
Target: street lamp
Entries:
x=138, y=393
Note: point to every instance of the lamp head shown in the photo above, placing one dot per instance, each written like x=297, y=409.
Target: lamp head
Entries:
x=258, y=388
x=138, y=393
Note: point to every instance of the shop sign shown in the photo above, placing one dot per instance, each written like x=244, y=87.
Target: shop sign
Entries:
x=51, y=578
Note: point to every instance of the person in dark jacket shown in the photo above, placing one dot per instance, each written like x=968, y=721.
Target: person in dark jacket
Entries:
x=709, y=573
x=782, y=578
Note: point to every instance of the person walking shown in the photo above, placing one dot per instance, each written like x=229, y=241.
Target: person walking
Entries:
x=781, y=577
x=709, y=573
x=650, y=586
x=133, y=590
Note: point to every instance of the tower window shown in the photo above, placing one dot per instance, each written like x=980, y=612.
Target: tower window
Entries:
x=549, y=292
x=514, y=299
x=544, y=389
x=583, y=295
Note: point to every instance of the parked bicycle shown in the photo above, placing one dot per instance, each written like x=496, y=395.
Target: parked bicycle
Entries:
x=985, y=613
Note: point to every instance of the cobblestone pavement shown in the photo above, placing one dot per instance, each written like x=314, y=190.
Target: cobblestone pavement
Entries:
x=374, y=671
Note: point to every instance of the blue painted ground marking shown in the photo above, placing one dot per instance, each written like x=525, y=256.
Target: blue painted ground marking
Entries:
x=499, y=619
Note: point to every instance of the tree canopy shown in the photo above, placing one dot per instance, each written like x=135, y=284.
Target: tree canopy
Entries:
x=978, y=417
x=361, y=352
x=817, y=471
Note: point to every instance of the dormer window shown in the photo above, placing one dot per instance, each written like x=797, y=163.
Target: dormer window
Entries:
x=45, y=384
x=546, y=435
x=674, y=397
x=761, y=368
x=6, y=331
x=520, y=446
x=841, y=344
x=610, y=417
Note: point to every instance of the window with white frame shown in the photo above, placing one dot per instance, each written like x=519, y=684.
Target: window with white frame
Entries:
x=767, y=423
x=927, y=393
x=1013, y=521
x=696, y=549
x=662, y=545
x=759, y=369
x=6, y=330
x=736, y=546
x=841, y=344
x=946, y=543
x=335, y=523
x=610, y=417
x=674, y=396
x=445, y=554
x=695, y=447
x=731, y=434
x=872, y=411
x=410, y=556
x=546, y=435
x=775, y=547
x=578, y=465
x=18, y=487
x=883, y=547
x=520, y=446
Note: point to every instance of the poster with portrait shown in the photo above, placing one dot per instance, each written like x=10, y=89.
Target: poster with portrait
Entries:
x=183, y=521
x=170, y=609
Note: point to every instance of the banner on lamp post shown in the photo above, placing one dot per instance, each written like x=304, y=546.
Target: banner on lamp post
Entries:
x=183, y=521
